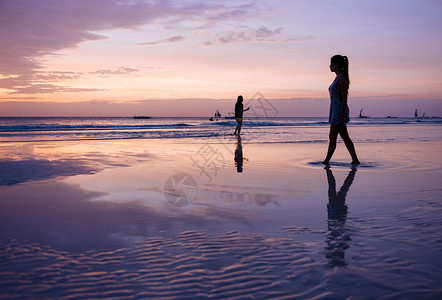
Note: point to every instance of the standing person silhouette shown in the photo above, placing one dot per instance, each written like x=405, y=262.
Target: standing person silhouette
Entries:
x=339, y=112
x=239, y=109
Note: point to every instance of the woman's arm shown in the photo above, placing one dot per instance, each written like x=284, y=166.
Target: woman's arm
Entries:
x=343, y=85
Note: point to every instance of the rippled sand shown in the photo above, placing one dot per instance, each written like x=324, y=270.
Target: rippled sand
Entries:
x=90, y=220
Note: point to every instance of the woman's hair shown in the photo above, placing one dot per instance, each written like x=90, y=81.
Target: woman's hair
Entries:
x=239, y=98
x=342, y=61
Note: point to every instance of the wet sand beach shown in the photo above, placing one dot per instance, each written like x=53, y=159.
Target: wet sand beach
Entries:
x=203, y=219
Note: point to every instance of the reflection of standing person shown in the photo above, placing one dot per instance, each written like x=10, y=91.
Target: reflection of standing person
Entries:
x=239, y=158
x=239, y=109
x=339, y=112
x=337, y=214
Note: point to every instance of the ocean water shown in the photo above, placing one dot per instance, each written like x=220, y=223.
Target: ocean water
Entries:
x=255, y=130
x=85, y=212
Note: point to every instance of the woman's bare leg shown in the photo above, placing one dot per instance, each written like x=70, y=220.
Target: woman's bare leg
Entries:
x=238, y=127
x=333, y=136
x=349, y=144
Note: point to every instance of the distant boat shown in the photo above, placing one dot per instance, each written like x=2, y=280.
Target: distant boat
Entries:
x=361, y=116
x=141, y=117
x=416, y=115
x=216, y=116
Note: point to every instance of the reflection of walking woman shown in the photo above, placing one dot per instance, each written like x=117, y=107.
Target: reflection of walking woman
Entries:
x=239, y=109
x=339, y=113
x=337, y=237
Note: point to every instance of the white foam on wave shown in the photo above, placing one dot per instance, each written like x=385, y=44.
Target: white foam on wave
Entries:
x=261, y=130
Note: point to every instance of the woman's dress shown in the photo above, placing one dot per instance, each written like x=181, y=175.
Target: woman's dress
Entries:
x=336, y=104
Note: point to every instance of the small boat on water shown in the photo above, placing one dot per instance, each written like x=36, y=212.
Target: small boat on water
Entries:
x=362, y=116
x=216, y=116
x=141, y=117
x=416, y=115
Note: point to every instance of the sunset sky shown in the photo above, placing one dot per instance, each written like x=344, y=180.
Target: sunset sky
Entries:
x=187, y=58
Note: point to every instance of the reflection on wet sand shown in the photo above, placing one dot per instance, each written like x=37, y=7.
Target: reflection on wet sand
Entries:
x=260, y=199
x=29, y=162
x=19, y=171
x=337, y=237
x=68, y=218
x=229, y=195
x=239, y=158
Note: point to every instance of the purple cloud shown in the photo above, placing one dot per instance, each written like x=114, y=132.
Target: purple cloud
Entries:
x=301, y=39
x=172, y=39
x=235, y=12
x=30, y=30
x=250, y=35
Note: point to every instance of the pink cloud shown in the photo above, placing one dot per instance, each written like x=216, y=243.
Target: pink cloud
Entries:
x=30, y=30
x=119, y=71
x=39, y=88
x=56, y=76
